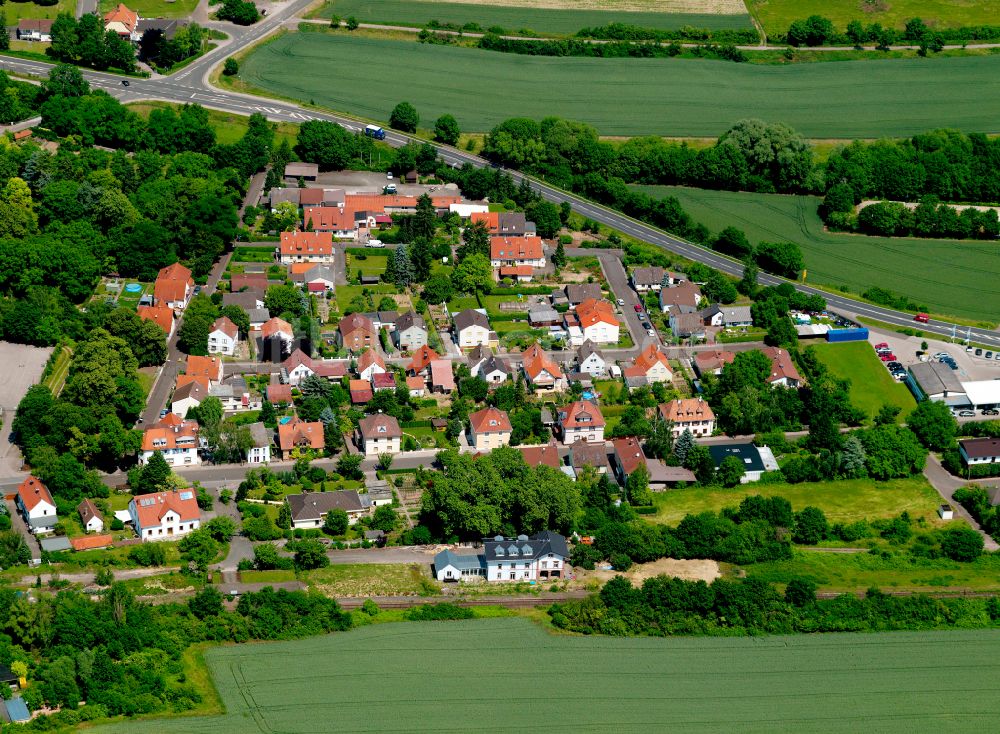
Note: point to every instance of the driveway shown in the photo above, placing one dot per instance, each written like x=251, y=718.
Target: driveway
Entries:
x=17, y=522
x=946, y=485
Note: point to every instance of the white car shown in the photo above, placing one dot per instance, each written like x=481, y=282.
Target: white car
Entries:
x=375, y=243
x=388, y=175
x=621, y=301
x=650, y=332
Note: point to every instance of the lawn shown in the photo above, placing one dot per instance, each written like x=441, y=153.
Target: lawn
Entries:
x=154, y=8
x=858, y=571
x=844, y=501
x=275, y=576
x=871, y=385
x=963, y=271
x=445, y=677
x=544, y=20
x=229, y=127
x=371, y=265
x=679, y=97
x=777, y=15
x=253, y=254
x=20, y=10
x=370, y=579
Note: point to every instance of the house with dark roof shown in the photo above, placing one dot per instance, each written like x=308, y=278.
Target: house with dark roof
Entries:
x=586, y=453
x=680, y=299
x=90, y=516
x=590, y=360
x=756, y=460
x=379, y=434
x=979, y=451
x=259, y=452
x=538, y=557
x=31, y=29
x=472, y=328
x=494, y=370
x=306, y=171
x=357, y=332
x=411, y=332
x=309, y=510
x=577, y=293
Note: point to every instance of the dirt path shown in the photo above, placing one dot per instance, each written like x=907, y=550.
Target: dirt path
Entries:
x=689, y=570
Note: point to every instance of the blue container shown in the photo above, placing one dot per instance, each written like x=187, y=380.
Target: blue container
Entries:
x=847, y=335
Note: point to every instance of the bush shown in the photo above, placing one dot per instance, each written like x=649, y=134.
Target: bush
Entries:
x=231, y=67
x=437, y=612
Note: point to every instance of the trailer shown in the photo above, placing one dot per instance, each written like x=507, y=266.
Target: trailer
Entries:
x=847, y=335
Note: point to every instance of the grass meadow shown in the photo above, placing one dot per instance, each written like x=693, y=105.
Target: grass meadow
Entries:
x=542, y=20
x=777, y=15
x=871, y=384
x=508, y=675
x=24, y=10
x=673, y=97
x=950, y=277
x=229, y=127
x=154, y=8
x=843, y=501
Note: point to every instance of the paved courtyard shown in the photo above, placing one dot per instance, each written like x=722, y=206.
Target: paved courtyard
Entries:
x=22, y=367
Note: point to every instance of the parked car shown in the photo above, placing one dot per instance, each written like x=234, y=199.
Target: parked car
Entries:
x=638, y=308
x=966, y=414
x=163, y=413
x=997, y=357
x=988, y=355
x=890, y=357
x=979, y=352
x=942, y=356
x=991, y=411
x=388, y=175
x=621, y=301
x=881, y=345
x=650, y=332
x=969, y=348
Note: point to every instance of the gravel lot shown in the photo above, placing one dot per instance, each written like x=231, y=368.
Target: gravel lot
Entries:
x=23, y=367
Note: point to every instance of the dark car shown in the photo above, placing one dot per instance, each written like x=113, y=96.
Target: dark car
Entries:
x=979, y=352
x=991, y=411
x=124, y=82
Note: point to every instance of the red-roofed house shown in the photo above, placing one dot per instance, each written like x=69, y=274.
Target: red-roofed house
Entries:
x=299, y=434
x=36, y=506
x=442, y=377
x=628, y=457
x=417, y=386
x=275, y=327
x=544, y=455
x=581, y=420
x=383, y=381
x=517, y=251
x=175, y=438
x=279, y=394
x=421, y=361
x=165, y=515
x=650, y=364
x=783, y=371
x=162, y=316
x=173, y=286
x=489, y=429
x=542, y=372
x=691, y=414
x=357, y=332
x=91, y=542
x=338, y=222
x=300, y=247
x=361, y=391
x=370, y=363
x=208, y=367
x=712, y=362
x=519, y=273
x=223, y=337
x=123, y=22
x=597, y=322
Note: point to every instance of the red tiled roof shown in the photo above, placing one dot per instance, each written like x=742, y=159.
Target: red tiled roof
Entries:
x=226, y=326
x=210, y=367
x=649, y=358
x=279, y=393
x=250, y=281
x=535, y=361
x=422, y=358
x=328, y=218
x=172, y=283
x=300, y=433
x=162, y=316
x=593, y=311
x=442, y=375
x=89, y=542
x=274, y=326
x=32, y=491
x=490, y=420
x=361, y=391
x=516, y=270
x=310, y=197
x=782, y=366
x=370, y=359
x=713, y=360
x=123, y=15
x=383, y=380
x=379, y=425
x=169, y=434
x=629, y=453
x=416, y=383
x=546, y=454
x=581, y=414
x=685, y=410
x=516, y=248
x=306, y=243
x=151, y=508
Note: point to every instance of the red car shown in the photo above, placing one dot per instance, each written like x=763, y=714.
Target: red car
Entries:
x=888, y=357
x=922, y=318
x=637, y=308
x=883, y=345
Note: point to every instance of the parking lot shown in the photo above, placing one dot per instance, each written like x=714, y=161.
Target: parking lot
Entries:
x=374, y=181
x=23, y=368
x=905, y=348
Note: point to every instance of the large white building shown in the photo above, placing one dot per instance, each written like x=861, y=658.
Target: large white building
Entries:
x=223, y=337
x=165, y=515
x=175, y=438
x=540, y=557
x=35, y=504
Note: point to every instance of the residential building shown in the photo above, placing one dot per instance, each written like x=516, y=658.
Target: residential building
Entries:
x=301, y=435
x=370, y=363
x=489, y=429
x=173, y=287
x=357, y=332
x=318, y=279
x=278, y=394
x=335, y=220
x=517, y=273
x=361, y=391
x=506, y=224
x=597, y=321
x=417, y=386
x=123, y=22
x=260, y=451
x=411, y=332
x=248, y=300
x=173, y=437
x=579, y=421
x=310, y=198
x=187, y=396
x=517, y=251
x=729, y=317
x=442, y=376
x=165, y=515
x=687, y=325
x=681, y=298
x=585, y=453
x=234, y=395
x=651, y=365
x=783, y=370
x=590, y=360
x=223, y=337
x=280, y=195
x=542, y=316
x=712, y=362
x=577, y=293
x=494, y=370
x=297, y=367
x=241, y=282
x=648, y=279
x=309, y=510
x=383, y=381
x=208, y=367
x=689, y=414
x=628, y=457
x=298, y=247
x=541, y=370
x=379, y=434
x=542, y=556
x=977, y=451
x=541, y=455
x=35, y=504
x=476, y=358
x=472, y=328
x=756, y=459
x=90, y=516
x=162, y=316
x=421, y=362
x=278, y=330
x=30, y=29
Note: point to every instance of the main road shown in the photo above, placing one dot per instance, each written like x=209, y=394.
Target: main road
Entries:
x=192, y=85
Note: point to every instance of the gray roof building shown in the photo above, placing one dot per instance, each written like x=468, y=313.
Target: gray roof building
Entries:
x=308, y=171
x=493, y=364
x=471, y=317
x=56, y=544
x=260, y=434
x=543, y=316
x=577, y=293
x=247, y=300
x=313, y=506
x=276, y=196
x=937, y=380
x=524, y=547
x=408, y=320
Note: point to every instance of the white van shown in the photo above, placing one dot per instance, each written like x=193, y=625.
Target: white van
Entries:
x=375, y=243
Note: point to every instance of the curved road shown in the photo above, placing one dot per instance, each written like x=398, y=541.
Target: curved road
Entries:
x=191, y=85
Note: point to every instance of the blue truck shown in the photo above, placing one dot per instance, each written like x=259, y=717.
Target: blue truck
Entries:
x=859, y=334
x=374, y=131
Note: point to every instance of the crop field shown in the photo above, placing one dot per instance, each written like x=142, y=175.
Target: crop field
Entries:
x=871, y=384
x=843, y=501
x=777, y=15
x=549, y=17
x=507, y=675
x=673, y=97
x=964, y=273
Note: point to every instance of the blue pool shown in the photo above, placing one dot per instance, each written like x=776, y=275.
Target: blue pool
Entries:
x=133, y=287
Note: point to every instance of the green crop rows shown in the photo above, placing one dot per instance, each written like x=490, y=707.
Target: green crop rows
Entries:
x=950, y=277
x=678, y=97
x=505, y=675
x=540, y=20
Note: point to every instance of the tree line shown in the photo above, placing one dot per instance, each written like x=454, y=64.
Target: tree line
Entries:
x=818, y=30
x=609, y=50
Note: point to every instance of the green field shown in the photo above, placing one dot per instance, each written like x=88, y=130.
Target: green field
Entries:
x=154, y=8
x=859, y=571
x=23, y=10
x=540, y=20
x=961, y=282
x=679, y=97
x=844, y=501
x=871, y=384
x=506, y=675
x=229, y=127
x=777, y=15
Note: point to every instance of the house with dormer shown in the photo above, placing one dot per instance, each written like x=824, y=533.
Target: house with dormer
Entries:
x=579, y=421
x=539, y=557
x=165, y=515
x=379, y=434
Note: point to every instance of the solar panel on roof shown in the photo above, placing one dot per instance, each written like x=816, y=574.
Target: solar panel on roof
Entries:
x=147, y=502
x=187, y=495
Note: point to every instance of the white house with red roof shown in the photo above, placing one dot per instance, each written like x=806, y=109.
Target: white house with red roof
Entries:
x=173, y=287
x=489, y=429
x=596, y=321
x=36, y=506
x=689, y=414
x=165, y=515
x=175, y=438
x=650, y=364
x=370, y=363
x=515, y=251
x=223, y=337
x=302, y=247
x=580, y=421
x=123, y=22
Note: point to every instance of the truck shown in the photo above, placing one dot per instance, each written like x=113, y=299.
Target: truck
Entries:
x=847, y=335
x=374, y=131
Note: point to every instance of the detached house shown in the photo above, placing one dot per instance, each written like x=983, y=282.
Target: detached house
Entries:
x=300, y=247
x=542, y=556
x=300, y=434
x=421, y=362
x=650, y=366
x=379, y=434
x=162, y=316
x=783, y=371
x=597, y=322
x=35, y=504
x=577, y=293
x=411, y=332
x=494, y=370
x=209, y=368
x=541, y=370
x=689, y=414
x=472, y=328
x=275, y=328
x=590, y=360
x=309, y=510
x=165, y=515
x=173, y=286
x=712, y=362
x=260, y=451
x=628, y=457
x=370, y=363
x=489, y=429
x=173, y=437
x=580, y=421
x=335, y=220
x=729, y=317
x=123, y=22
x=648, y=279
x=681, y=298
x=357, y=332
x=517, y=251
x=223, y=337
x=29, y=29
x=90, y=516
